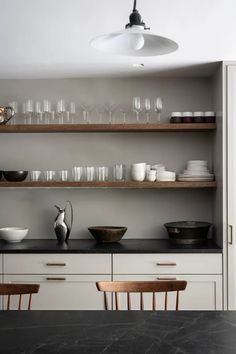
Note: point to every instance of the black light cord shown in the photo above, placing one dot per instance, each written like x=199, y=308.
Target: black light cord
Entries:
x=134, y=8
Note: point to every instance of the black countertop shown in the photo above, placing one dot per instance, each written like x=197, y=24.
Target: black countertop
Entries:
x=91, y=246
x=168, y=332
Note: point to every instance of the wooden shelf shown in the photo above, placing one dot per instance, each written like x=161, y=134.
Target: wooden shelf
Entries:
x=96, y=128
x=115, y=185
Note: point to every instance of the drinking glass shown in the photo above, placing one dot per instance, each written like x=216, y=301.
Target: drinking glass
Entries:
x=77, y=173
x=49, y=176
x=124, y=111
x=47, y=109
x=100, y=112
x=102, y=173
x=61, y=111
x=62, y=175
x=72, y=112
x=110, y=109
x=119, y=172
x=137, y=107
x=89, y=173
x=35, y=175
x=29, y=110
x=158, y=108
x=38, y=112
x=14, y=105
x=147, y=104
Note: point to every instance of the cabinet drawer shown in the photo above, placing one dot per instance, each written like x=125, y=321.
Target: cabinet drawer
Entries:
x=61, y=292
x=57, y=264
x=167, y=263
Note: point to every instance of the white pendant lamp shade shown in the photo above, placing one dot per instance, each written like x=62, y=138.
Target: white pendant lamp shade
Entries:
x=134, y=41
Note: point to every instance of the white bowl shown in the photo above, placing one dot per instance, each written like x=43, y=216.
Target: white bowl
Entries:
x=13, y=234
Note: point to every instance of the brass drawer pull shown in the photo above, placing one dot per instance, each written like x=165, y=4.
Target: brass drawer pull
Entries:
x=55, y=264
x=166, y=278
x=58, y=278
x=167, y=264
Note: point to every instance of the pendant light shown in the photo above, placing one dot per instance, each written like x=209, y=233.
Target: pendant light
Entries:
x=135, y=40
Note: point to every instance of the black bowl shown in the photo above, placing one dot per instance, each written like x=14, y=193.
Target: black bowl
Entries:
x=108, y=234
x=15, y=176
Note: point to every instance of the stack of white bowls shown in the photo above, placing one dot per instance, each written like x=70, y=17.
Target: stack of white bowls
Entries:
x=138, y=171
x=162, y=174
x=166, y=176
x=196, y=170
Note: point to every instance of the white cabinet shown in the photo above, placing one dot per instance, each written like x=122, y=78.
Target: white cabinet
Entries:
x=203, y=273
x=67, y=281
x=70, y=292
x=231, y=176
x=203, y=292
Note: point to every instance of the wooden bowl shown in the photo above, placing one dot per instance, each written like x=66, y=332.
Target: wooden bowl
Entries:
x=107, y=234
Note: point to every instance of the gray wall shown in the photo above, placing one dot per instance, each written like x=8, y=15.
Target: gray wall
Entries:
x=144, y=212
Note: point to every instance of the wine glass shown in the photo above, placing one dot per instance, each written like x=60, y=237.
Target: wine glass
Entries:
x=47, y=111
x=137, y=107
x=38, y=112
x=147, y=104
x=72, y=112
x=124, y=109
x=158, y=108
x=29, y=110
x=110, y=108
x=61, y=111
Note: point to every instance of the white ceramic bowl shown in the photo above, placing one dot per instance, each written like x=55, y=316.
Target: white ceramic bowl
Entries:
x=13, y=234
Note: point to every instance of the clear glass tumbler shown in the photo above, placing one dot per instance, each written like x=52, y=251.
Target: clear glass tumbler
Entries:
x=119, y=172
x=89, y=174
x=49, y=176
x=77, y=173
x=14, y=105
x=62, y=175
x=102, y=173
x=35, y=176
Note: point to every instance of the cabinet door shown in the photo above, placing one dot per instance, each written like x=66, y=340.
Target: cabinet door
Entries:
x=203, y=292
x=231, y=117
x=62, y=292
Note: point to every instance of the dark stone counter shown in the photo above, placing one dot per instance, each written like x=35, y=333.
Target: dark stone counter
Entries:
x=136, y=332
x=91, y=246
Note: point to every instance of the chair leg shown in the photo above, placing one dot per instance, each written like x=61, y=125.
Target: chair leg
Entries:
x=166, y=300
x=8, y=302
x=128, y=302
x=177, y=301
x=30, y=299
x=19, y=305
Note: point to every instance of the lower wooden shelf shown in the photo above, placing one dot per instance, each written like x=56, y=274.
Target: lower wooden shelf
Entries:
x=110, y=184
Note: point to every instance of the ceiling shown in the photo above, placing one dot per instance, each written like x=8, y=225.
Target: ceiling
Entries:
x=50, y=38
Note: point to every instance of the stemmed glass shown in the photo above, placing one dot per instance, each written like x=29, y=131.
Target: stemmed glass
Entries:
x=72, y=112
x=47, y=111
x=29, y=110
x=147, y=104
x=61, y=111
x=100, y=111
x=137, y=107
x=38, y=112
x=158, y=108
x=110, y=108
x=124, y=111
x=14, y=105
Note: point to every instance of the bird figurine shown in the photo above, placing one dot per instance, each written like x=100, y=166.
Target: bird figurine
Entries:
x=61, y=225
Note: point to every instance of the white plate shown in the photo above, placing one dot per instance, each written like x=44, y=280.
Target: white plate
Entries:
x=182, y=179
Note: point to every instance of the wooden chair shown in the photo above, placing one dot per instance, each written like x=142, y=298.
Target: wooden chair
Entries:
x=18, y=289
x=141, y=287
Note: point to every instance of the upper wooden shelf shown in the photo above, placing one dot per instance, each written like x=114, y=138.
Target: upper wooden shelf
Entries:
x=94, y=128
x=110, y=184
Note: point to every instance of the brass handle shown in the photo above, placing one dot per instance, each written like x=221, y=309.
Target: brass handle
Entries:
x=231, y=234
x=56, y=264
x=166, y=278
x=58, y=278
x=167, y=264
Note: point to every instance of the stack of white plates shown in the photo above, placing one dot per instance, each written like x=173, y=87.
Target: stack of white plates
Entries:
x=197, y=170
